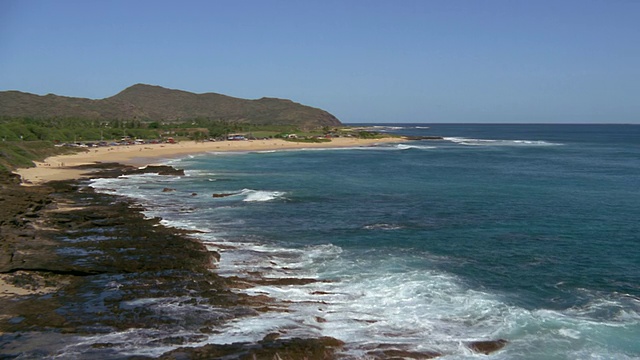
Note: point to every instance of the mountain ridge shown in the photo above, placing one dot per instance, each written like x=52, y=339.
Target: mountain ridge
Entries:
x=156, y=103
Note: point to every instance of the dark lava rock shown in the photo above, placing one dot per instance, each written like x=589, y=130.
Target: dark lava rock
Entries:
x=115, y=169
x=157, y=169
x=96, y=239
x=107, y=222
x=219, y=195
x=403, y=354
x=271, y=337
x=487, y=347
x=286, y=281
x=322, y=348
x=168, y=190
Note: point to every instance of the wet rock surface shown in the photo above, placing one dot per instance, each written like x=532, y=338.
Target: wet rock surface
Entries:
x=223, y=195
x=288, y=349
x=92, y=265
x=487, y=347
x=116, y=169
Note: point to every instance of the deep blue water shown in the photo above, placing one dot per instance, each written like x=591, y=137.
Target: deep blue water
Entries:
x=524, y=232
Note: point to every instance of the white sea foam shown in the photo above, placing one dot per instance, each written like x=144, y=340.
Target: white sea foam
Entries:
x=185, y=224
x=367, y=300
x=202, y=173
x=419, y=147
x=366, y=310
x=491, y=142
x=616, y=308
x=383, y=226
x=260, y=195
x=382, y=128
x=570, y=333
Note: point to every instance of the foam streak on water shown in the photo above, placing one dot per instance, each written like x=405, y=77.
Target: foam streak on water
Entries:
x=491, y=142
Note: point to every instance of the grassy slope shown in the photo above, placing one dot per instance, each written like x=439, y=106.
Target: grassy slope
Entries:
x=17, y=154
x=153, y=103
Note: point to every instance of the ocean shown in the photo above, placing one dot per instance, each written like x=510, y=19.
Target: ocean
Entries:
x=527, y=233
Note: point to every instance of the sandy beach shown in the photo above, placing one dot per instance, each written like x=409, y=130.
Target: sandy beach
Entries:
x=61, y=167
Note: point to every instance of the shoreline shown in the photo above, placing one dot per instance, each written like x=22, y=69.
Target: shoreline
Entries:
x=121, y=258
x=35, y=276
x=63, y=167
x=123, y=271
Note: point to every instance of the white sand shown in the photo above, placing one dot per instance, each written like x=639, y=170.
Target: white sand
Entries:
x=60, y=167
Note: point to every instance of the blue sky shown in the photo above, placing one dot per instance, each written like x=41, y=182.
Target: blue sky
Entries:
x=361, y=60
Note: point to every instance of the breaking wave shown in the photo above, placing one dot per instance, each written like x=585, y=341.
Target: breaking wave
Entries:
x=383, y=226
x=419, y=147
x=260, y=195
x=491, y=142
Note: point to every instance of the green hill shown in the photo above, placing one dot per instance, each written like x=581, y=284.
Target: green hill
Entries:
x=149, y=103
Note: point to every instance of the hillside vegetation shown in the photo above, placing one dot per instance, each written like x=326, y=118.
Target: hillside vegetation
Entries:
x=147, y=103
x=24, y=140
x=74, y=130
x=17, y=154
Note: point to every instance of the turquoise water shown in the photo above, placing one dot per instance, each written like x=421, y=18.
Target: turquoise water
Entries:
x=522, y=232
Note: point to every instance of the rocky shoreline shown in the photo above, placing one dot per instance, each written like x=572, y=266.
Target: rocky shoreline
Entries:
x=77, y=264
x=86, y=259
